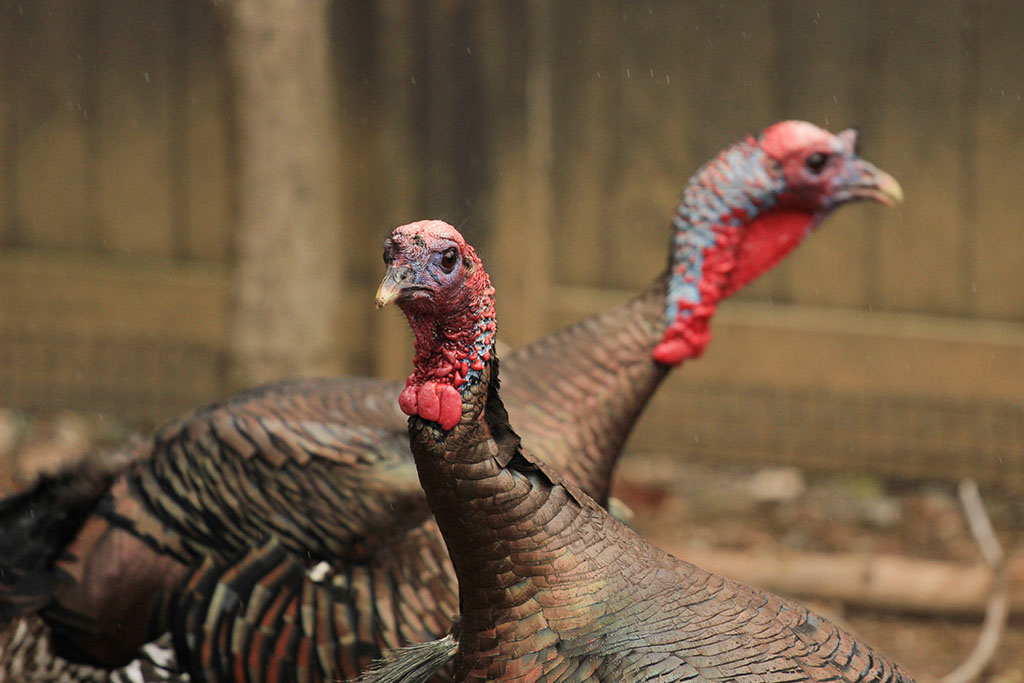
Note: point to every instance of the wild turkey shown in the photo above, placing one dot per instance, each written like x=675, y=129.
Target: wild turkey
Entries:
x=406, y=591
x=27, y=657
x=26, y=653
x=203, y=488
x=551, y=587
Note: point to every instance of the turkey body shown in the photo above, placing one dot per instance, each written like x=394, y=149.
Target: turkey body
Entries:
x=233, y=504
x=320, y=469
x=405, y=590
x=551, y=587
x=27, y=657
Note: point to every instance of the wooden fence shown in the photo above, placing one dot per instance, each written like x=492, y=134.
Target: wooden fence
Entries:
x=558, y=136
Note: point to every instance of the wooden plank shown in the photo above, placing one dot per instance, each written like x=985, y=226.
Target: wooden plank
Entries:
x=364, y=179
x=204, y=113
x=822, y=349
x=731, y=76
x=454, y=136
x=891, y=436
x=49, y=72
x=894, y=394
x=921, y=248
x=8, y=135
x=586, y=82
x=105, y=297
x=656, y=122
x=397, y=77
x=994, y=172
x=133, y=124
x=518, y=103
x=823, y=80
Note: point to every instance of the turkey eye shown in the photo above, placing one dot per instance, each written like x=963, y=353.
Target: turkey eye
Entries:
x=448, y=260
x=816, y=162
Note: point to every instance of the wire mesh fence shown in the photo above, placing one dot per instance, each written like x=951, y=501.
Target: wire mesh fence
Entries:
x=904, y=437
x=143, y=380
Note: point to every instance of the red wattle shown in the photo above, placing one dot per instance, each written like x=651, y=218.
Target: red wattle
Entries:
x=685, y=338
x=435, y=401
x=451, y=406
x=429, y=404
x=670, y=352
x=407, y=400
x=768, y=238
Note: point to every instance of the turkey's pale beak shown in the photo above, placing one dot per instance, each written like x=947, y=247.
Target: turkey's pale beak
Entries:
x=392, y=285
x=871, y=182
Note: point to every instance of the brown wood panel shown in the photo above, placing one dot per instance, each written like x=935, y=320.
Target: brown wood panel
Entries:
x=657, y=120
x=897, y=394
x=133, y=153
x=49, y=83
x=8, y=136
x=733, y=86
x=995, y=171
x=587, y=90
x=400, y=93
x=879, y=435
x=105, y=297
x=455, y=168
x=365, y=182
x=204, y=116
x=921, y=247
x=518, y=105
x=822, y=52
x=828, y=349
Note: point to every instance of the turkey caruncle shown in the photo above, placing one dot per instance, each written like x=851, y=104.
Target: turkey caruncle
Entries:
x=321, y=469
x=552, y=588
x=794, y=172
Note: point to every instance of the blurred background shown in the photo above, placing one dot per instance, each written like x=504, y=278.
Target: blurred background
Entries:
x=193, y=196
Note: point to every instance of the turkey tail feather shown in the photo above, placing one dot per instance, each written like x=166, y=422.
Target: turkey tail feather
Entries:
x=35, y=526
x=413, y=663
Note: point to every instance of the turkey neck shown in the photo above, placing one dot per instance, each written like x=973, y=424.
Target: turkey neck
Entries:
x=577, y=393
x=490, y=501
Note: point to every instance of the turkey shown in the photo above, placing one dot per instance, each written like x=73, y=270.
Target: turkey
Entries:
x=322, y=468
x=551, y=587
x=25, y=650
x=27, y=657
x=406, y=593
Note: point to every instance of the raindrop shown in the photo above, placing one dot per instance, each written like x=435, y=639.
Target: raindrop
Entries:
x=974, y=288
x=627, y=74
x=145, y=75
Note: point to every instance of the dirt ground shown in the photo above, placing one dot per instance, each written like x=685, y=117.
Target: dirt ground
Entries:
x=683, y=506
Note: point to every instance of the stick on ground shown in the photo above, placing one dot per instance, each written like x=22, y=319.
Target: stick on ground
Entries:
x=998, y=607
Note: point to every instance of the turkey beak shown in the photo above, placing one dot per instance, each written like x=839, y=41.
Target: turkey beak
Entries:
x=871, y=182
x=392, y=285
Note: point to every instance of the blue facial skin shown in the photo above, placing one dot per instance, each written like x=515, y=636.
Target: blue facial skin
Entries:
x=709, y=204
